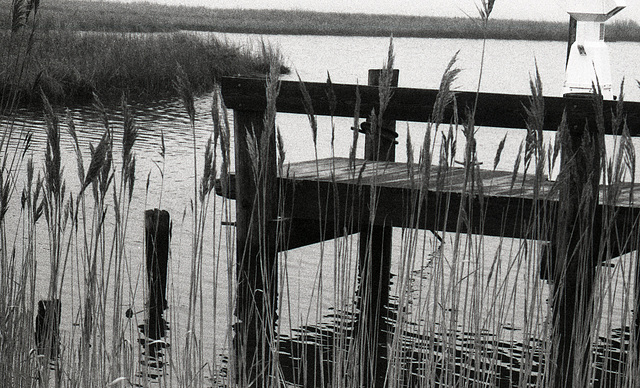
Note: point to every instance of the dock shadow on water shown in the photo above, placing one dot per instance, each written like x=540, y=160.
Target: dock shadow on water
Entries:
x=154, y=329
x=308, y=357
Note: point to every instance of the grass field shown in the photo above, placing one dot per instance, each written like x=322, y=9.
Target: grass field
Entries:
x=146, y=17
x=70, y=66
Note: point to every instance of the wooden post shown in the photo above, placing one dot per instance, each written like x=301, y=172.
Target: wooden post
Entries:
x=48, y=328
x=157, y=236
x=375, y=249
x=575, y=263
x=256, y=267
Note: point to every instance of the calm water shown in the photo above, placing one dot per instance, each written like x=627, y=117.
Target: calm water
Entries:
x=508, y=66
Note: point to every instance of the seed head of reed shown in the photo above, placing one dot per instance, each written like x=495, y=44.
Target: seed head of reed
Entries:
x=20, y=12
x=130, y=132
x=386, y=76
x=496, y=159
x=106, y=173
x=308, y=108
x=98, y=161
x=208, y=179
x=216, y=102
x=484, y=9
x=53, y=172
x=535, y=125
x=129, y=136
x=446, y=93
x=71, y=128
x=185, y=91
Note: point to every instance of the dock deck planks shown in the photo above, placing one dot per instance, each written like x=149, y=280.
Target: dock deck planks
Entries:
x=498, y=209
x=400, y=175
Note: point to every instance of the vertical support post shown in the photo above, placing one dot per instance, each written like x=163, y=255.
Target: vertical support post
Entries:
x=48, y=327
x=576, y=258
x=157, y=236
x=375, y=249
x=256, y=266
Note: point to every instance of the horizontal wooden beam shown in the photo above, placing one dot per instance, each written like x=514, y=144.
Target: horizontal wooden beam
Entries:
x=403, y=207
x=409, y=104
x=300, y=232
x=492, y=216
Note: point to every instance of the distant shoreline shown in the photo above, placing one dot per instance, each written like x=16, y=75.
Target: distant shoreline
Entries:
x=147, y=17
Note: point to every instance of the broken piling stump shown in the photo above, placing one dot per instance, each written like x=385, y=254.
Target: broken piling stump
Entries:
x=48, y=328
x=157, y=237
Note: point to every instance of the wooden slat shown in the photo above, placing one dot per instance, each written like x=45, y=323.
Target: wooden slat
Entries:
x=409, y=104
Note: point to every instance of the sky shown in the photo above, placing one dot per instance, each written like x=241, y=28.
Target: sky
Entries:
x=553, y=10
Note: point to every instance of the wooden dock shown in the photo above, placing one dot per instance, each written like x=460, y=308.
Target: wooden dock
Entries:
x=323, y=199
x=506, y=202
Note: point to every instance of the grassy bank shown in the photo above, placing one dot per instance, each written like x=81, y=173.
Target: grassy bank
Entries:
x=145, y=17
x=70, y=66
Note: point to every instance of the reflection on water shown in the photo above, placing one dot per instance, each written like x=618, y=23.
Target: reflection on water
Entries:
x=439, y=357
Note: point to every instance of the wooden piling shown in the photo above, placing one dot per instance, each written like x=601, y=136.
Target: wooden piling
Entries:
x=575, y=262
x=576, y=238
x=375, y=245
x=256, y=267
x=48, y=328
x=157, y=237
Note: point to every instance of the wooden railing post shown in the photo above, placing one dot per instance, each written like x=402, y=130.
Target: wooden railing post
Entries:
x=375, y=248
x=256, y=267
x=576, y=255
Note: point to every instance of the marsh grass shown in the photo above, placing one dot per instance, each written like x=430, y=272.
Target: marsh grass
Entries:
x=466, y=309
x=69, y=66
x=147, y=17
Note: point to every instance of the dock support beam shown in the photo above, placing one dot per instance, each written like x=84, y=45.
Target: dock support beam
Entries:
x=375, y=249
x=574, y=268
x=256, y=267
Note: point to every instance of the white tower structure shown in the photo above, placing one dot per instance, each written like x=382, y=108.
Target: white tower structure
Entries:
x=588, y=62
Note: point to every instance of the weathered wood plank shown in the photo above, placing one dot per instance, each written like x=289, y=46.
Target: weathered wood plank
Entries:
x=398, y=175
x=410, y=104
